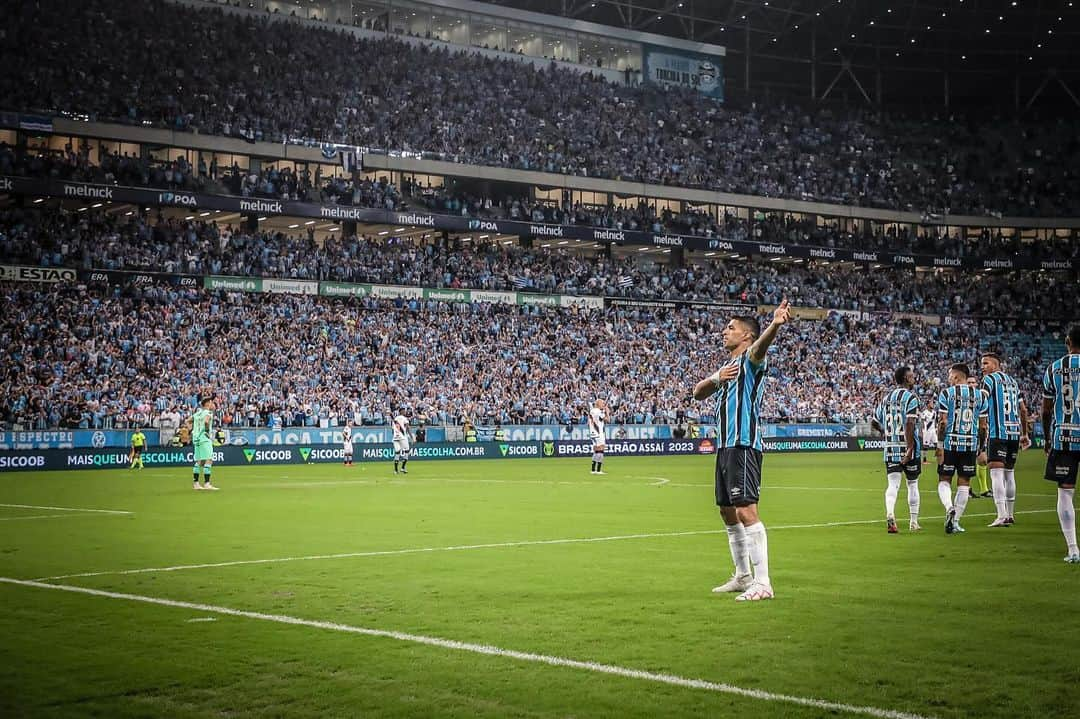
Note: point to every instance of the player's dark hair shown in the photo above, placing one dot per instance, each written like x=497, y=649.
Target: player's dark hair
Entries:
x=962, y=369
x=994, y=355
x=1074, y=337
x=900, y=375
x=750, y=322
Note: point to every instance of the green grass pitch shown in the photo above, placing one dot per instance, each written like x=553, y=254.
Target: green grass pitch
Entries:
x=981, y=624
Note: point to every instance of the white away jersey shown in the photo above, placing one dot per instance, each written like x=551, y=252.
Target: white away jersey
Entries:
x=401, y=427
x=596, y=422
x=346, y=439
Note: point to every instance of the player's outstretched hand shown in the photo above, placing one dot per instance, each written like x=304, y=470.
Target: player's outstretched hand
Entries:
x=782, y=313
x=1025, y=442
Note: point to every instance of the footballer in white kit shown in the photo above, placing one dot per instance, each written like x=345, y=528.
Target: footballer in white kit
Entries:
x=597, y=417
x=929, y=431
x=346, y=443
x=401, y=443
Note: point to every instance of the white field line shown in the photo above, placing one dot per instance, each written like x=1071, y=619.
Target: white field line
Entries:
x=467, y=547
x=67, y=509
x=486, y=649
x=69, y=515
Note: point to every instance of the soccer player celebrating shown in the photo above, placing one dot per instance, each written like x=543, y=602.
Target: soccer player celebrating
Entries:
x=138, y=443
x=739, y=386
x=980, y=488
x=896, y=418
x=1008, y=419
x=202, y=430
x=1061, y=428
x=962, y=430
x=346, y=443
x=597, y=415
x=401, y=442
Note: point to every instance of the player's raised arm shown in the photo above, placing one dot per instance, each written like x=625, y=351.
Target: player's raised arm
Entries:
x=780, y=316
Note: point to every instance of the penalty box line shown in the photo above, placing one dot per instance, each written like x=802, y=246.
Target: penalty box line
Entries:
x=489, y=650
x=467, y=547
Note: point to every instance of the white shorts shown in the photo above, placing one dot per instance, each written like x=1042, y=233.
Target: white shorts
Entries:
x=347, y=448
x=929, y=439
x=401, y=444
x=598, y=440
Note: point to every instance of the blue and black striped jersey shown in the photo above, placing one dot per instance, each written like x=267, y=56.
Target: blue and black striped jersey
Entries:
x=962, y=407
x=738, y=404
x=893, y=413
x=1003, y=396
x=1061, y=385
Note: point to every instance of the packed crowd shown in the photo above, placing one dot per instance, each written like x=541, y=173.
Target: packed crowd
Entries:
x=111, y=356
x=285, y=183
x=96, y=239
x=213, y=72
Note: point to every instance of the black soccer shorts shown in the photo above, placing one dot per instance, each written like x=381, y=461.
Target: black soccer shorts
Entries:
x=738, y=476
x=962, y=464
x=1061, y=466
x=1003, y=450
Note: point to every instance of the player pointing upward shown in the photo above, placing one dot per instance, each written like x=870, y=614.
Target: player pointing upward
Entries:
x=739, y=386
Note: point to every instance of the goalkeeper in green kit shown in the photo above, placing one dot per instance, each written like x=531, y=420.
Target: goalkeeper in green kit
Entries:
x=202, y=433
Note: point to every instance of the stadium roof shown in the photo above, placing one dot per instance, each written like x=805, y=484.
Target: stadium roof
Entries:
x=1006, y=53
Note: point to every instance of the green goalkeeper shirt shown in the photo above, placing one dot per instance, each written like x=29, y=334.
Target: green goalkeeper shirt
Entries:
x=201, y=430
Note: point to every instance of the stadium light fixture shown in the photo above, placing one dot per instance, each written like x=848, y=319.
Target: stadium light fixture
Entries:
x=189, y=217
x=96, y=205
x=384, y=232
x=204, y=214
x=293, y=227
x=40, y=199
x=310, y=222
x=483, y=237
x=399, y=229
x=260, y=219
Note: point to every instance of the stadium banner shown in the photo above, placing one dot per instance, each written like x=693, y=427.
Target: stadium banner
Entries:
x=668, y=67
x=495, y=298
x=830, y=444
x=305, y=435
x=448, y=295
x=585, y=302
x=736, y=248
x=535, y=432
x=293, y=287
x=233, y=284
x=527, y=298
x=726, y=307
x=29, y=273
x=233, y=456
x=628, y=447
x=807, y=430
x=343, y=289
x=127, y=277
x=72, y=438
x=394, y=292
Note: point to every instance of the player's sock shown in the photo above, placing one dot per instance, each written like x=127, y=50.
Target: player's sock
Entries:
x=944, y=493
x=758, y=546
x=997, y=483
x=599, y=462
x=736, y=535
x=1067, y=517
x=593, y=468
x=1010, y=492
x=980, y=476
x=206, y=474
x=962, y=494
x=913, y=500
x=403, y=463
x=140, y=462
x=195, y=474
x=892, y=491
x=395, y=465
